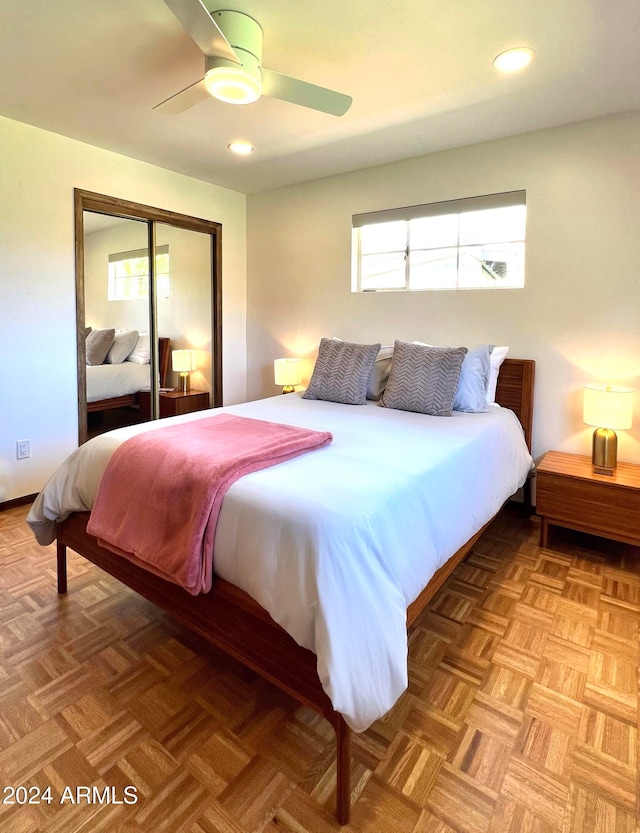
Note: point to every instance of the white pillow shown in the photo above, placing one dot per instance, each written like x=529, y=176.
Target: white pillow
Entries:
x=471, y=394
x=123, y=343
x=498, y=355
x=379, y=374
x=141, y=353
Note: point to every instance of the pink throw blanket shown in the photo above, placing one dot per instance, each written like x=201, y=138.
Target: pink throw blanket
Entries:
x=159, y=498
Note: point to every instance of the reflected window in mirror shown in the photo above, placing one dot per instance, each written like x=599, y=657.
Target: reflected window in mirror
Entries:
x=129, y=274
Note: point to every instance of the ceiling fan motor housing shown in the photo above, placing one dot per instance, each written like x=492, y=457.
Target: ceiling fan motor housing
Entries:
x=243, y=32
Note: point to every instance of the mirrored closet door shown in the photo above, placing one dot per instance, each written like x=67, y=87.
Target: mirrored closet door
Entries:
x=148, y=297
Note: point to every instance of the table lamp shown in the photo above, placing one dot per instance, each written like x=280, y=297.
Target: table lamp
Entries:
x=287, y=374
x=184, y=361
x=608, y=408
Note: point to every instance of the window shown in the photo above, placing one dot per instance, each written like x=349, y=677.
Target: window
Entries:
x=474, y=243
x=129, y=274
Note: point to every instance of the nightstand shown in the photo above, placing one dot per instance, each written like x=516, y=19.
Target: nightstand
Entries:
x=569, y=494
x=174, y=402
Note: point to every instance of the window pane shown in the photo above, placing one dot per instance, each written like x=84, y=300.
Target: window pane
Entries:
x=435, y=269
x=383, y=271
x=434, y=232
x=491, y=267
x=459, y=249
x=494, y=225
x=384, y=237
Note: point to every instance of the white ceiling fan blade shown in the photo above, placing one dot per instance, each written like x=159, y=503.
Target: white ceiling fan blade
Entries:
x=189, y=97
x=276, y=85
x=203, y=29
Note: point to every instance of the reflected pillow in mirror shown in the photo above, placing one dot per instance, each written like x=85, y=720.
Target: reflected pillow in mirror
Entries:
x=98, y=345
x=123, y=343
x=141, y=353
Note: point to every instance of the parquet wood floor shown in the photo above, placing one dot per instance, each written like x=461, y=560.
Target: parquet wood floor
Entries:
x=521, y=714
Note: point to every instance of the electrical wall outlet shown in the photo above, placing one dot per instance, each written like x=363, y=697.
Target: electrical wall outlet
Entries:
x=23, y=449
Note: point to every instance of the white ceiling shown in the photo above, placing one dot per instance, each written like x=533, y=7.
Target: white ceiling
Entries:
x=420, y=73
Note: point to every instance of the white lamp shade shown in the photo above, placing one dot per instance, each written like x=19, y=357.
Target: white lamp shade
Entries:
x=183, y=360
x=607, y=406
x=287, y=371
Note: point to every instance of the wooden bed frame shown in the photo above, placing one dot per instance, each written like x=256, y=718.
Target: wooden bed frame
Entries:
x=133, y=399
x=232, y=621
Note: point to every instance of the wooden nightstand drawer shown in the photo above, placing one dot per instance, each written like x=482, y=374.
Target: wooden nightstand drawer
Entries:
x=569, y=494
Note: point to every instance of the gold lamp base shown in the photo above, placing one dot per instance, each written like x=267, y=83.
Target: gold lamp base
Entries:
x=185, y=381
x=288, y=389
x=604, y=455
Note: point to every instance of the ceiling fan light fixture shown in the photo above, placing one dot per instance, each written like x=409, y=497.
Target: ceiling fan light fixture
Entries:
x=234, y=85
x=512, y=60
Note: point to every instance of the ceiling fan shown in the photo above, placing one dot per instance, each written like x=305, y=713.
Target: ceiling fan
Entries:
x=231, y=43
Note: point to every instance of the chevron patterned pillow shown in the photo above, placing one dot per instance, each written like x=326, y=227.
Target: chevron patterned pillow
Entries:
x=423, y=379
x=98, y=344
x=341, y=372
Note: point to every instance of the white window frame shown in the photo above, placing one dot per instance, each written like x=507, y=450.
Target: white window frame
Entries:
x=439, y=209
x=162, y=277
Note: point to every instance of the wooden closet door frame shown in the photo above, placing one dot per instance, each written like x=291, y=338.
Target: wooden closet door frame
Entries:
x=114, y=206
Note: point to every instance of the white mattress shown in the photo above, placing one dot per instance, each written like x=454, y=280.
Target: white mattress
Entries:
x=336, y=543
x=106, y=381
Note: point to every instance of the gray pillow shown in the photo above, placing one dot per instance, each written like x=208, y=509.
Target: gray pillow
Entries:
x=341, y=372
x=123, y=343
x=98, y=345
x=423, y=379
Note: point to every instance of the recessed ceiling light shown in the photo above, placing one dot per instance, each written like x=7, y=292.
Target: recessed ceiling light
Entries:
x=513, y=59
x=241, y=148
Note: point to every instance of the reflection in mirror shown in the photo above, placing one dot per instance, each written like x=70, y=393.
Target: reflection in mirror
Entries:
x=116, y=298
x=170, y=300
x=184, y=305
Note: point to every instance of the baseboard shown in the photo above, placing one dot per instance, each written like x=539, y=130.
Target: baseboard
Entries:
x=18, y=501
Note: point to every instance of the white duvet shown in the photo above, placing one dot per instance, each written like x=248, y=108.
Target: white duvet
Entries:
x=336, y=543
x=106, y=381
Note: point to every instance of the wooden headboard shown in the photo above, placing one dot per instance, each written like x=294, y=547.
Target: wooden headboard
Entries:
x=515, y=391
x=164, y=353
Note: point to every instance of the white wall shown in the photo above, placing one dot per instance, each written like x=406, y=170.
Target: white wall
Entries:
x=38, y=388
x=578, y=316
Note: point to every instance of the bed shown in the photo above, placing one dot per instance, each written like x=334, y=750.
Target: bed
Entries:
x=247, y=612
x=118, y=385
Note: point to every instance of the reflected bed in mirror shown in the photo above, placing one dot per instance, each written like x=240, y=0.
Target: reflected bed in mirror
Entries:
x=113, y=390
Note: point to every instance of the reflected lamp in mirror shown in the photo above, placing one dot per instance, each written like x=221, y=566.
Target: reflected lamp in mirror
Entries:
x=183, y=362
x=608, y=408
x=287, y=373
